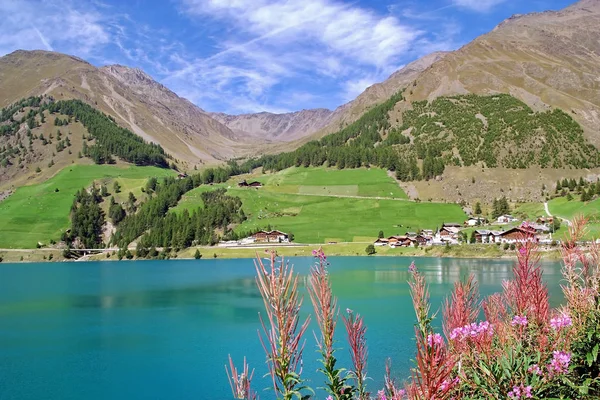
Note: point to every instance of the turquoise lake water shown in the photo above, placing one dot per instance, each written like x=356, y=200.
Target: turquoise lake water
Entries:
x=163, y=329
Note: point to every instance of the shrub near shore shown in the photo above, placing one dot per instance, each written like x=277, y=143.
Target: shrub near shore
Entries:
x=523, y=349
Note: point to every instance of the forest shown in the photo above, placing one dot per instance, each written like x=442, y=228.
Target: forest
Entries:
x=108, y=139
x=491, y=131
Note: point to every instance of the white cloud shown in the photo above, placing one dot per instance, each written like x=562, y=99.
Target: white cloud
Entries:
x=353, y=88
x=314, y=41
x=478, y=5
x=32, y=24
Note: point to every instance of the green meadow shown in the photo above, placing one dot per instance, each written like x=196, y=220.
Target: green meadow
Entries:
x=363, y=182
x=322, y=217
x=40, y=212
x=563, y=208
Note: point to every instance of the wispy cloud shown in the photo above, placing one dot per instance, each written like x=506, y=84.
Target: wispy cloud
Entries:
x=245, y=55
x=478, y=5
x=31, y=24
x=313, y=40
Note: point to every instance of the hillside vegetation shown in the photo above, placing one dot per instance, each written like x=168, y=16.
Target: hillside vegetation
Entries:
x=495, y=131
x=39, y=213
x=314, y=205
x=39, y=137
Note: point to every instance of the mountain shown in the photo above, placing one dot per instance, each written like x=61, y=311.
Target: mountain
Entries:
x=133, y=98
x=379, y=92
x=300, y=126
x=285, y=127
x=547, y=59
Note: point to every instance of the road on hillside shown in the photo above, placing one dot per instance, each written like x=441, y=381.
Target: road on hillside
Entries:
x=550, y=215
x=346, y=196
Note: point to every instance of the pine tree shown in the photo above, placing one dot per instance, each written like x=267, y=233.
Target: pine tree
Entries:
x=197, y=255
x=478, y=208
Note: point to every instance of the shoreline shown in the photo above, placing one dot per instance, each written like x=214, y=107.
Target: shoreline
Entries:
x=249, y=252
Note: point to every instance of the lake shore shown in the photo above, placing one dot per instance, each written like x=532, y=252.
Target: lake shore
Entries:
x=342, y=249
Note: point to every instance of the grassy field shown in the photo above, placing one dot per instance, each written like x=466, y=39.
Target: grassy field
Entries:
x=563, y=208
x=40, y=212
x=323, y=217
x=362, y=182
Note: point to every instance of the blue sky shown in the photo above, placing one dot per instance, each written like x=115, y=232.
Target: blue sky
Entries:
x=240, y=56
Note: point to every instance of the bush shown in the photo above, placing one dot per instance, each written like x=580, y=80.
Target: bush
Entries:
x=523, y=348
x=370, y=250
x=506, y=246
x=513, y=246
x=197, y=255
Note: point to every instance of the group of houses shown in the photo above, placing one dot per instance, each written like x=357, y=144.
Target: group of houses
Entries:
x=450, y=233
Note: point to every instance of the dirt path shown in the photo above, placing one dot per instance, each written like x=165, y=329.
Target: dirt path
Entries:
x=550, y=215
x=344, y=196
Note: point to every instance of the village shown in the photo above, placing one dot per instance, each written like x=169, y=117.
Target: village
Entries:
x=539, y=231
x=470, y=231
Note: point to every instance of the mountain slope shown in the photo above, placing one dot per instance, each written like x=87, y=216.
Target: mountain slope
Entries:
x=135, y=100
x=276, y=127
x=547, y=59
x=350, y=112
x=290, y=130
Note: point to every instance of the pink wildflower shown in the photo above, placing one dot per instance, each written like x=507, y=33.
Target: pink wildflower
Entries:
x=534, y=369
x=412, y=268
x=519, y=320
x=561, y=322
x=560, y=362
x=435, y=339
x=520, y=392
x=472, y=331
x=380, y=395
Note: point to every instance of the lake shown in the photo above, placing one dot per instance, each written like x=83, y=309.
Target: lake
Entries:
x=163, y=329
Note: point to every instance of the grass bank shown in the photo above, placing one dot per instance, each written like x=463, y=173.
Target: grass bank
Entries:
x=40, y=212
x=347, y=249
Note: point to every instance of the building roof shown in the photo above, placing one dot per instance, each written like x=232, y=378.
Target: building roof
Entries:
x=451, y=224
x=274, y=232
x=451, y=229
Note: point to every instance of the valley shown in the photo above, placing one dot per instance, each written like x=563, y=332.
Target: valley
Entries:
x=107, y=157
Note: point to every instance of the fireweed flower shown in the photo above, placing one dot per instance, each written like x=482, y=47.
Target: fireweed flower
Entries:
x=449, y=383
x=472, y=330
x=561, y=322
x=534, y=369
x=519, y=320
x=412, y=268
x=560, y=362
x=435, y=339
x=520, y=392
x=380, y=395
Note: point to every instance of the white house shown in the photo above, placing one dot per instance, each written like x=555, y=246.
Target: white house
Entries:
x=505, y=219
x=474, y=221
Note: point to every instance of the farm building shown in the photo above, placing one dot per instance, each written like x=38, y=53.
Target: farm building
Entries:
x=505, y=219
x=244, y=183
x=487, y=236
x=474, y=221
x=382, y=242
x=399, y=241
x=271, y=237
x=518, y=234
